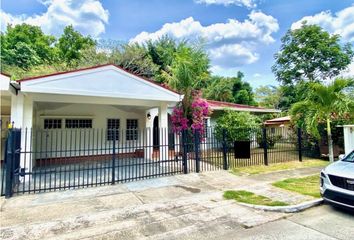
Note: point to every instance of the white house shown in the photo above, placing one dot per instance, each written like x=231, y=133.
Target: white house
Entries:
x=98, y=97
x=63, y=112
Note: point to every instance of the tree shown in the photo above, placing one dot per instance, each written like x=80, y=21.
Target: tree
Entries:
x=71, y=44
x=162, y=53
x=189, y=70
x=229, y=89
x=324, y=103
x=238, y=125
x=25, y=46
x=310, y=54
x=134, y=58
x=268, y=96
x=219, y=89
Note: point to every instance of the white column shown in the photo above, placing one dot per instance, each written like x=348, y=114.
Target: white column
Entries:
x=26, y=138
x=163, y=127
x=17, y=109
x=148, y=141
x=22, y=117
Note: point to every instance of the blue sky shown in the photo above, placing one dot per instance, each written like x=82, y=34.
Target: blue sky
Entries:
x=239, y=34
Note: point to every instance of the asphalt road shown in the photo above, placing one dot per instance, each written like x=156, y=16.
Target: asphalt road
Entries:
x=323, y=222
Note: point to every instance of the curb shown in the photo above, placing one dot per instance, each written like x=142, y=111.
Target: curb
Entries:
x=286, y=209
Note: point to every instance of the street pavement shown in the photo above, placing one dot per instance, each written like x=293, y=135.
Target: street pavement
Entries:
x=178, y=207
x=322, y=222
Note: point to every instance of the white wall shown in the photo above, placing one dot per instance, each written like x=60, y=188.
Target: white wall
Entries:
x=348, y=138
x=66, y=142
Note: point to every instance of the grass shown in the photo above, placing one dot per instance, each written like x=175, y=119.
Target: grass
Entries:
x=250, y=170
x=306, y=185
x=251, y=198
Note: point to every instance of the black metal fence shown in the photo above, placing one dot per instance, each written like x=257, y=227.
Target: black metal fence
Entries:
x=51, y=159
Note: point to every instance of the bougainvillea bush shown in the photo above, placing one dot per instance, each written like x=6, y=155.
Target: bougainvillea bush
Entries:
x=190, y=117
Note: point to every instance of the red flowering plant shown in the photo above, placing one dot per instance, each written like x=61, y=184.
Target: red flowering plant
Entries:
x=192, y=116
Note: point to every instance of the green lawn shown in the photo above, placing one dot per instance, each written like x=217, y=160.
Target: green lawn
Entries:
x=250, y=170
x=306, y=185
x=251, y=198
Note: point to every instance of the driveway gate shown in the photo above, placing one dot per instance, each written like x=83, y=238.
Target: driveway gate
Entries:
x=49, y=160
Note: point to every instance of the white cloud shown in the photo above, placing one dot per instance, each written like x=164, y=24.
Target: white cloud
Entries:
x=341, y=22
x=246, y=3
x=229, y=44
x=349, y=72
x=87, y=16
x=257, y=75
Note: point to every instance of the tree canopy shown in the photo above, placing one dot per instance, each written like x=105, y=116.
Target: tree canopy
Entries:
x=71, y=44
x=184, y=66
x=310, y=54
x=229, y=89
x=268, y=96
x=26, y=46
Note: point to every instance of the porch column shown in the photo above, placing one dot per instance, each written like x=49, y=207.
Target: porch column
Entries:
x=163, y=129
x=22, y=117
x=148, y=141
x=17, y=110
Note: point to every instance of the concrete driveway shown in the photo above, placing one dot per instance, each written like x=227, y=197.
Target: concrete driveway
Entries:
x=178, y=207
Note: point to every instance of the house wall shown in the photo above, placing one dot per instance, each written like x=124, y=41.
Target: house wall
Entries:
x=53, y=143
x=280, y=129
x=348, y=138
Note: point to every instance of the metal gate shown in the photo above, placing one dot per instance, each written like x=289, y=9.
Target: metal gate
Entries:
x=49, y=160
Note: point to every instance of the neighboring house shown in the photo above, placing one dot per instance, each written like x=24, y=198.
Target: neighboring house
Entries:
x=279, y=126
x=219, y=108
x=72, y=110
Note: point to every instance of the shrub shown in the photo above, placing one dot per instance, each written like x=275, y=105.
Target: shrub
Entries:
x=239, y=126
x=271, y=140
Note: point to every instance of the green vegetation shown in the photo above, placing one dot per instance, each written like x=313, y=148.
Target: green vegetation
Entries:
x=251, y=198
x=268, y=96
x=238, y=125
x=250, y=170
x=184, y=66
x=323, y=104
x=310, y=54
x=306, y=185
x=229, y=89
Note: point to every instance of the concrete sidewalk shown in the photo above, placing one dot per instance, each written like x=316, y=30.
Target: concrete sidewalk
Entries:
x=183, y=206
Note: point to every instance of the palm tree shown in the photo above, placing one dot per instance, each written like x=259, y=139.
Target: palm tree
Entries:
x=325, y=103
x=189, y=71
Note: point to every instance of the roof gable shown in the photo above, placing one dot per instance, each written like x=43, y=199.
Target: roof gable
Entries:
x=101, y=81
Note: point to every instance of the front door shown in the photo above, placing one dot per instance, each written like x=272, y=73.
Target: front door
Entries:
x=156, y=135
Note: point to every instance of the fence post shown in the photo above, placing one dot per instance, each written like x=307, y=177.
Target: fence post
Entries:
x=9, y=159
x=299, y=143
x=113, y=156
x=224, y=149
x=184, y=151
x=265, y=146
x=196, y=148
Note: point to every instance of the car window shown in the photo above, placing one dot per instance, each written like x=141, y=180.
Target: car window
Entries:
x=349, y=158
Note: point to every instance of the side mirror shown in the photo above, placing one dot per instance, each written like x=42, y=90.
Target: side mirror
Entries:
x=340, y=157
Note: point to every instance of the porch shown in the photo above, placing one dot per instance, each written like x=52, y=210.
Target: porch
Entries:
x=91, y=109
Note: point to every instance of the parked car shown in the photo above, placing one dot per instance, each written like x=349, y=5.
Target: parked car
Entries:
x=337, y=182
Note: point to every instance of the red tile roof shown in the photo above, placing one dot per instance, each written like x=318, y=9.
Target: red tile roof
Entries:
x=219, y=104
x=279, y=120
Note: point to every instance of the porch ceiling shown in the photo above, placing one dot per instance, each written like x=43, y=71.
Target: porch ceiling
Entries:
x=57, y=105
x=47, y=99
